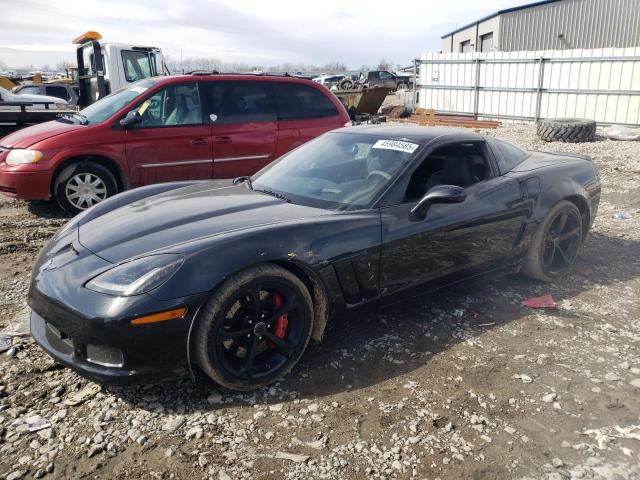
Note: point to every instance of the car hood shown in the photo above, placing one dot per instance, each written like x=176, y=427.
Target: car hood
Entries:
x=26, y=137
x=171, y=220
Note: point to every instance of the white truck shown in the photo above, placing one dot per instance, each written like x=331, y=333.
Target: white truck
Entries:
x=117, y=66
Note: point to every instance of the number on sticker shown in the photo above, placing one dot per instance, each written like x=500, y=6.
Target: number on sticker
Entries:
x=406, y=147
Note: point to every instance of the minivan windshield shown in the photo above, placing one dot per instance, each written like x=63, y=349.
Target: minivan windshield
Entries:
x=337, y=171
x=104, y=108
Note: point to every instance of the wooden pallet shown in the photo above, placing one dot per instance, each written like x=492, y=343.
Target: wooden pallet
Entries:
x=429, y=117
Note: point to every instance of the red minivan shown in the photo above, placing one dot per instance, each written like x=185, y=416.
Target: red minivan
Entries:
x=164, y=129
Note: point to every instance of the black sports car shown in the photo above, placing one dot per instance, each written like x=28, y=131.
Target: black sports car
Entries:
x=237, y=280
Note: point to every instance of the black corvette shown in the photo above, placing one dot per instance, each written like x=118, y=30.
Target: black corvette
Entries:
x=236, y=280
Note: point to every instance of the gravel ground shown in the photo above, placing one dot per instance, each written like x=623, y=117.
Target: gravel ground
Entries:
x=467, y=385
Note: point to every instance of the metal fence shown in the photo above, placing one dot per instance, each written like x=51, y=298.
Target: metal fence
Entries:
x=600, y=84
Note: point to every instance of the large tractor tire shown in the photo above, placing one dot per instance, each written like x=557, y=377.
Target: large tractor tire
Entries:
x=571, y=130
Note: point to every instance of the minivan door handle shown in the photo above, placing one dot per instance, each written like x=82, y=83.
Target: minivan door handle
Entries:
x=199, y=141
x=223, y=140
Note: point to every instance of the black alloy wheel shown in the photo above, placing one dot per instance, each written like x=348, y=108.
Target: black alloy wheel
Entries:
x=254, y=328
x=555, y=244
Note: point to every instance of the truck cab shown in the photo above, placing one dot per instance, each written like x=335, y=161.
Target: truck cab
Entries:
x=117, y=65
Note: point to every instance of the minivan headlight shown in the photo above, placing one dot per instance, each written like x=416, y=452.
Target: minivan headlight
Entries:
x=19, y=156
x=137, y=276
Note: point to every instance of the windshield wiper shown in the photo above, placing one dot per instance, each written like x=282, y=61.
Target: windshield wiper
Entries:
x=275, y=194
x=70, y=117
x=246, y=179
x=83, y=119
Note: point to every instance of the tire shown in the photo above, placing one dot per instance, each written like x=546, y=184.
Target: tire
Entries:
x=537, y=265
x=346, y=85
x=572, y=130
x=82, y=185
x=225, y=334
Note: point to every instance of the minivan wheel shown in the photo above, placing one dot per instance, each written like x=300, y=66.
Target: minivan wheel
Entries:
x=254, y=328
x=86, y=185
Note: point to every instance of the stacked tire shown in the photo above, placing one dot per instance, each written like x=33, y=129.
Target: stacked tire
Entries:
x=570, y=130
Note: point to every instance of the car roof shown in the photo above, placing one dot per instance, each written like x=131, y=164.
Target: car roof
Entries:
x=414, y=133
x=230, y=76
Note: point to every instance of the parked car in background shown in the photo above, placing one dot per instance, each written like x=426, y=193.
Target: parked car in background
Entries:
x=189, y=127
x=66, y=92
x=383, y=78
x=329, y=80
x=33, y=101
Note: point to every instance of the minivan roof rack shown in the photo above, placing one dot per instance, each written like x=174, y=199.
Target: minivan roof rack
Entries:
x=257, y=74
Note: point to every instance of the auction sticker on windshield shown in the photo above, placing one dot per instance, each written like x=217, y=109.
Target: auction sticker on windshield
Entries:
x=406, y=147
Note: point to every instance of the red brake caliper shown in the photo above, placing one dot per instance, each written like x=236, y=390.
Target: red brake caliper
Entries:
x=280, y=327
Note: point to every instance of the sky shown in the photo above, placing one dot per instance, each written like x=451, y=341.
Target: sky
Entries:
x=256, y=32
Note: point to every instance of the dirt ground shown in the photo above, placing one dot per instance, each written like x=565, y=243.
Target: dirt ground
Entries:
x=469, y=384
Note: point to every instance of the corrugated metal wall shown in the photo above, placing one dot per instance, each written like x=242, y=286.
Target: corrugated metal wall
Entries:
x=583, y=23
x=601, y=84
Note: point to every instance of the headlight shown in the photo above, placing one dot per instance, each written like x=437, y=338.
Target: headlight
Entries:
x=138, y=276
x=20, y=156
x=61, y=106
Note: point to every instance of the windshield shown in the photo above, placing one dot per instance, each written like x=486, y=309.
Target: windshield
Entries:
x=107, y=106
x=339, y=171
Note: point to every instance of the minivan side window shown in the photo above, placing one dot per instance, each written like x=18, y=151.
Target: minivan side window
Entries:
x=238, y=102
x=172, y=106
x=295, y=100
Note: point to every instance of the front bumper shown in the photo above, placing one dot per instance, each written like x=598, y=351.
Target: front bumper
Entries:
x=153, y=350
x=25, y=185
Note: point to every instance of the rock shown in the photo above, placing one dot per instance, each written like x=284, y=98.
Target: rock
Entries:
x=549, y=397
x=557, y=463
x=222, y=475
x=39, y=473
x=94, y=450
x=612, y=377
x=36, y=423
x=510, y=430
x=396, y=465
x=174, y=424
x=292, y=456
x=625, y=366
x=446, y=460
x=269, y=435
x=317, y=444
x=276, y=408
x=523, y=377
x=88, y=392
x=15, y=475
x=194, y=432
x=215, y=398
x=635, y=382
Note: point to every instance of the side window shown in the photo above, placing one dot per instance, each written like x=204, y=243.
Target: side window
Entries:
x=172, y=106
x=295, y=100
x=35, y=90
x=57, y=91
x=461, y=164
x=137, y=65
x=508, y=155
x=385, y=75
x=238, y=102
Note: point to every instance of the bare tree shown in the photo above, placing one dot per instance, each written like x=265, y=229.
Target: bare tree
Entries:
x=63, y=66
x=384, y=64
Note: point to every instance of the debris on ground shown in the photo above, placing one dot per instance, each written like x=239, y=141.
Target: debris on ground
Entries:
x=545, y=301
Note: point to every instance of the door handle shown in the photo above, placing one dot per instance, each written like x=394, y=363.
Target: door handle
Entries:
x=199, y=141
x=223, y=140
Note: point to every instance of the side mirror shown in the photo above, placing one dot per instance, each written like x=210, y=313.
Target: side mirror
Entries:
x=438, y=194
x=132, y=118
